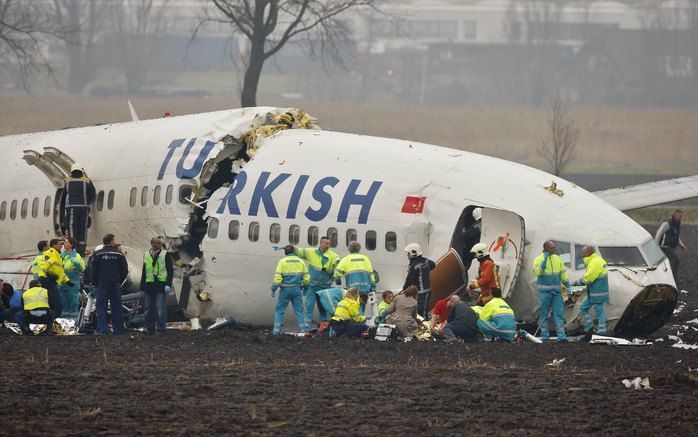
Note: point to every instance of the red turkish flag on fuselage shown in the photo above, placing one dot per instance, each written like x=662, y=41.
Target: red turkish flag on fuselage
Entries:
x=413, y=205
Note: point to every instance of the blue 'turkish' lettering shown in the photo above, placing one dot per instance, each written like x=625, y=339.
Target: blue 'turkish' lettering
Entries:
x=324, y=198
x=195, y=169
x=173, y=145
x=363, y=200
x=296, y=196
x=262, y=192
x=231, y=198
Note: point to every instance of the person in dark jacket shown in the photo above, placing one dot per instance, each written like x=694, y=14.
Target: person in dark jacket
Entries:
x=77, y=197
x=109, y=271
x=156, y=282
x=669, y=239
x=461, y=323
x=418, y=275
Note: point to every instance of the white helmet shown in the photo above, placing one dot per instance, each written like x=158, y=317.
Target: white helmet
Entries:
x=413, y=249
x=76, y=167
x=480, y=250
x=477, y=214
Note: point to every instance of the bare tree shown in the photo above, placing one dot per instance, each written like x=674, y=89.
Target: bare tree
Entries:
x=268, y=25
x=138, y=25
x=25, y=25
x=559, y=146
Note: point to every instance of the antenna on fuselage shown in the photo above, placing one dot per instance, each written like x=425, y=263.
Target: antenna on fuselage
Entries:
x=134, y=116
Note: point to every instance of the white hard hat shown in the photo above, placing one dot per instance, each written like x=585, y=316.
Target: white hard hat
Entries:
x=477, y=214
x=480, y=250
x=413, y=249
x=76, y=167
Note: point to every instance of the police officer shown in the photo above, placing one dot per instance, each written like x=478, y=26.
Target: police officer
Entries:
x=418, y=275
x=356, y=269
x=156, y=282
x=78, y=195
x=322, y=262
x=109, y=271
x=293, y=279
x=551, y=278
x=669, y=238
x=51, y=274
x=596, y=280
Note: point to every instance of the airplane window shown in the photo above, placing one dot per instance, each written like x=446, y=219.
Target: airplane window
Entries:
x=35, y=207
x=132, y=197
x=25, y=208
x=333, y=235
x=100, y=201
x=168, y=194
x=47, y=206
x=391, y=241
x=313, y=235
x=212, y=228
x=13, y=210
x=623, y=256
x=564, y=250
x=578, y=257
x=254, y=231
x=110, y=199
x=233, y=229
x=371, y=238
x=351, y=236
x=294, y=234
x=275, y=233
x=156, y=195
x=144, y=196
x=185, y=194
x=653, y=252
x=3, y=210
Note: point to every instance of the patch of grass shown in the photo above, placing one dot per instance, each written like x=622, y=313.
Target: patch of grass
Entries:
x=657, y=214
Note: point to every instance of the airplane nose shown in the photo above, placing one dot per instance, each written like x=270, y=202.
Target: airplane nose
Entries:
x=651, y=308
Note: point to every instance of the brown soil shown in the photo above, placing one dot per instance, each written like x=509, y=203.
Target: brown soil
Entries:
x=231, y=382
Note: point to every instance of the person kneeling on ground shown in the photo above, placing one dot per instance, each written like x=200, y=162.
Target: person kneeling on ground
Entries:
x=347, y=320
x=497, y=319
x=403, y=313
x=461, y=323
x=37, y=303
x=438, y=318
x=388, y=297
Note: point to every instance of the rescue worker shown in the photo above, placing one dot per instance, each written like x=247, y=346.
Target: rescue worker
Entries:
x=347, y=320
x=461, y=322
x=293, y=279
x=42, y=246
x=551, y=280
x=496, y=319
x=487, y=274
x=78, y=195
x=669, y=238
x=438, y=317
x=321, y=263
x=51, y=274
x=418, y=275
x=596, y=280
x=37, y=303
x=471, y=236
x=329, y=298
x=388, y=297
x=74, y=267
x=356, y=269
x=156, y=282
x=109, y=272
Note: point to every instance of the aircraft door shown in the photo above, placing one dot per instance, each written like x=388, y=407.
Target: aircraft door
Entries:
x=504, y=233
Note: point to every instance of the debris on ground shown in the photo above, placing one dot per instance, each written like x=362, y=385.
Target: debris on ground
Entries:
x=683, y=345
x=638, y=383
x=602, y=339
x=680, y=307
x=556, y=363
x=693, y=322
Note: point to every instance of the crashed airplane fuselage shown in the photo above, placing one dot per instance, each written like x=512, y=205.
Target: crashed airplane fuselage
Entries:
x=225, y=189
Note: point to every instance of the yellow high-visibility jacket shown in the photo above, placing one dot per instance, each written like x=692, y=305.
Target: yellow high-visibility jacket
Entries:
x=348, y=310
x=51, y=266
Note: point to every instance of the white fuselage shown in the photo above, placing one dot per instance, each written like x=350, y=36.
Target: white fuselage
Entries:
x=315, y=181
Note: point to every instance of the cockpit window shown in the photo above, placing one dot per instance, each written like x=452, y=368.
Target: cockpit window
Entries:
x=564, y=250
x=653, y=252
x=623, y=256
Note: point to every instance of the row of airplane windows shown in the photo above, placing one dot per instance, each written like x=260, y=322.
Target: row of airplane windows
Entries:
x=294, y=235
x=24, y=208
